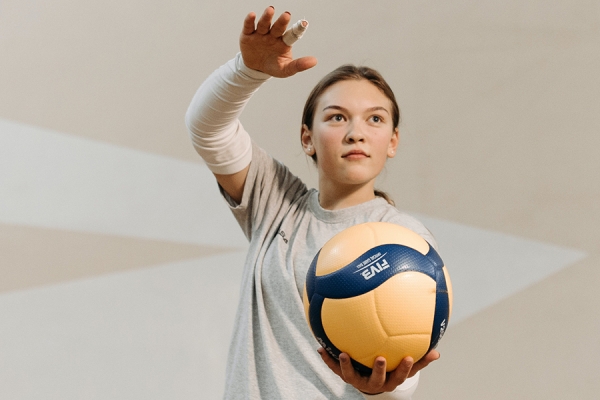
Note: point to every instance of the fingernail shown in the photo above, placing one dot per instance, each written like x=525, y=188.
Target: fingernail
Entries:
x=380, y=363
x=320, y=350
x=272, y=7
x=287, y=12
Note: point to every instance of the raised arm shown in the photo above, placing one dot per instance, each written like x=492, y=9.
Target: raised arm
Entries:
x=212, y=117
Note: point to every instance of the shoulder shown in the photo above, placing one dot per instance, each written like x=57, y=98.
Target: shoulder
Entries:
x=270, y=190
x=272, y=174
x=406, y=220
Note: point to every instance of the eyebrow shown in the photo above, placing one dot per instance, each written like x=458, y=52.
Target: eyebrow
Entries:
x=376, y=108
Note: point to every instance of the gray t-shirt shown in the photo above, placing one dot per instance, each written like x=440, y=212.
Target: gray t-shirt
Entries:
x=273, y=353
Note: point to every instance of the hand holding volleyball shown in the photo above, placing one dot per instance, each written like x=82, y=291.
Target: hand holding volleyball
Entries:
x=263, y=49
x=380, y=294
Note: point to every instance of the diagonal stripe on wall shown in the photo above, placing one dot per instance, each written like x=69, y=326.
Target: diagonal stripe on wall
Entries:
x=61, y=181
x=36, y=256
x=486, y=266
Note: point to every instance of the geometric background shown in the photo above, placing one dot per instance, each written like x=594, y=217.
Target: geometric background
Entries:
x=120, y=263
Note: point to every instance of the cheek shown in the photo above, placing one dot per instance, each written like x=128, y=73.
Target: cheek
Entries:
x=326, y=150
x=327, y=140
x=384, y=143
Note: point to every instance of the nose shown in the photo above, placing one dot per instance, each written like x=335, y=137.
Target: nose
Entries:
x=355, y=134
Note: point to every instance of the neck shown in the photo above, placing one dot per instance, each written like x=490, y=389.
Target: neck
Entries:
x=336, y=198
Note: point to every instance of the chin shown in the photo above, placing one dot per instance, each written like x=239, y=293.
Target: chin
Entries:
x=358, y=179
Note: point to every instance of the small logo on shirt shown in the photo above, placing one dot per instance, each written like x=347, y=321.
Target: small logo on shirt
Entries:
x=282, y=234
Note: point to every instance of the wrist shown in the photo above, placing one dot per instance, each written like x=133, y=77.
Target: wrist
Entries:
x=250, y=72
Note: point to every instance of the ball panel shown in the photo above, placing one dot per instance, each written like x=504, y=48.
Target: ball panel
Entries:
x=352, y=242
x=316, y=325
x=442, y=308
x=433, y=257
x=386, y=232
x=306, y=304
x=449, y=286
x=343, y=248
x=397, y=347
x=370, y=270
x=349, y=322
x=405, y=304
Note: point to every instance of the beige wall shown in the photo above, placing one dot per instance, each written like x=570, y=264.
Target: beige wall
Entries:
x=104, y=205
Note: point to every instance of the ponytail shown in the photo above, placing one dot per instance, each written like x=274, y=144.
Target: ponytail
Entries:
x=386, y=196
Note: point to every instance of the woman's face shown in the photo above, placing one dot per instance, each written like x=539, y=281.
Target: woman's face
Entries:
x=352, y=134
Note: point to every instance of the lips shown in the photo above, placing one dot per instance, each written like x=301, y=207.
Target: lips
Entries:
x=355, y=154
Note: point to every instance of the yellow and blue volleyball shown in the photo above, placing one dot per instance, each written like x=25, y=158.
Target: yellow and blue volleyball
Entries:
x=377, y=289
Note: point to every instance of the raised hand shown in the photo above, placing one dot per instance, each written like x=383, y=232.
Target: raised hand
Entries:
x=263, y=49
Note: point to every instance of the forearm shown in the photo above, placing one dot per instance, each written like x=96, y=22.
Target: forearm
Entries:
x=212, y=117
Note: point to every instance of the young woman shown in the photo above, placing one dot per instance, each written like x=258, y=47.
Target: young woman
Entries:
x=349, y=129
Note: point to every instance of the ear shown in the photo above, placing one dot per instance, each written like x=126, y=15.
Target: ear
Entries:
x=307, y=143
x=394, y=141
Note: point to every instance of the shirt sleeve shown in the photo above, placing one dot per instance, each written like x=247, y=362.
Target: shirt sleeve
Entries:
x=269, y=190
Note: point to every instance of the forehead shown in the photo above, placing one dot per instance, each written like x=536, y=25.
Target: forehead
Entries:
x=355, y=93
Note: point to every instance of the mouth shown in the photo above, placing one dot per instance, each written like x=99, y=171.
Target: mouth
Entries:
x=355, y=155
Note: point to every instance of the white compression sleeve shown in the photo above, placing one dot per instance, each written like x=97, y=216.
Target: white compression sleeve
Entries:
x=402, y=392
x=212, y=117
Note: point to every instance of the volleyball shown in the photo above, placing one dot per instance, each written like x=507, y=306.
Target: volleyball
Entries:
x=377, y=289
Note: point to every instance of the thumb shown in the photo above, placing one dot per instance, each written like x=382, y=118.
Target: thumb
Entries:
x=299, y=65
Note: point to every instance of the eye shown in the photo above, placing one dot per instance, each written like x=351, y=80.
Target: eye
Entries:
x=336, y=117
x=376, y=118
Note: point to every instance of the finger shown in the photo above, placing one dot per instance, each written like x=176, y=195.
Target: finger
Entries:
x=377, y=378
x=330, y=361
x=299, y=65
x=248, y=28
x=280, y=25
x=425, y=361
x=349, y=374
x=264, y=23
x=401, y=373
